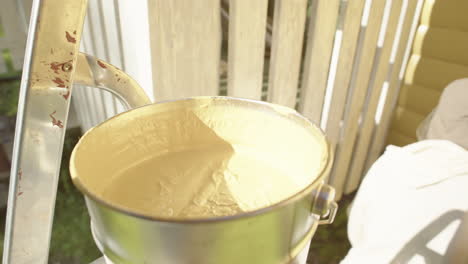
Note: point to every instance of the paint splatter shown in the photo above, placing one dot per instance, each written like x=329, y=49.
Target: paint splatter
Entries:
x=101, y=64
x=69, y=37
x=55, y=66
x=56, y=122
x=66, y=95
x=59, y=82
x=20, y=176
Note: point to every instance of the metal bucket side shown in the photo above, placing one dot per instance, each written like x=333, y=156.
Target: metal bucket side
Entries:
x=266, y=238
x=274, y=234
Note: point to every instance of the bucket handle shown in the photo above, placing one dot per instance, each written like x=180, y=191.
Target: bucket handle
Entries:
x=324, y=205
x=97, y=73
x=325, y=208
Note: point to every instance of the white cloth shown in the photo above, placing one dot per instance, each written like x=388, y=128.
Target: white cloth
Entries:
x=409, y=204
x=449, y=120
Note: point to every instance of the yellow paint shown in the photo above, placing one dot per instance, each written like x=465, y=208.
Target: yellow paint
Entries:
x=212, y=181
x=201, y=157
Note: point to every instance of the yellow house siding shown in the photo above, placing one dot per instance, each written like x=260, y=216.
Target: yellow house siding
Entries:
x=439, y=56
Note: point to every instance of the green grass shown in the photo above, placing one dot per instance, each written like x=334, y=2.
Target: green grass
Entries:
x=11, y=72
x=330, y=243
x=9, y=92
x=71, y=235
x=6, y=54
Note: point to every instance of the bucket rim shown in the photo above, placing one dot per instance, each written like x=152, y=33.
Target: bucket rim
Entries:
x=325, y=167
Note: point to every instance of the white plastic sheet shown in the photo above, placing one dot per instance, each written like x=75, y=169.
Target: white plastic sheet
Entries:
x=410, y=204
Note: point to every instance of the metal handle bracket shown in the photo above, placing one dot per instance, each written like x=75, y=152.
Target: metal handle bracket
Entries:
x=324, y=205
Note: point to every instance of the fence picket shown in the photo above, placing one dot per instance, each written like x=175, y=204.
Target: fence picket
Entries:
x=401, y=59
x=351, y=29
x=367, y=126
x=363, y=73
x=186, y=44
x=247, y=26
x=319, y=49
x=288, y=32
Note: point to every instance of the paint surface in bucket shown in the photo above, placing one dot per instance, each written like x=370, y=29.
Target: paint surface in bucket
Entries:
x=199, y=158
x=209, y=181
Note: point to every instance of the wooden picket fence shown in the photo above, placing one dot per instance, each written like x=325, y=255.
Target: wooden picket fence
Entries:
x=339, y=63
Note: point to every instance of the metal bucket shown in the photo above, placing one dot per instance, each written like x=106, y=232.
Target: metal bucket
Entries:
x=182, y=134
